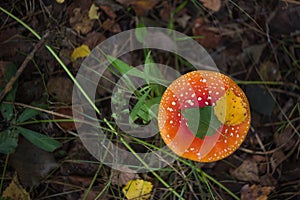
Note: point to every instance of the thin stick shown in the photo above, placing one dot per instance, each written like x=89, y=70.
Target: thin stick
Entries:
x=29, y=57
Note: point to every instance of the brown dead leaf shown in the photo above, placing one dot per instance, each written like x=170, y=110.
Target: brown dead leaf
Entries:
x=285, y=139
x=247, y=171
x=121, y=177
x=109, y=11
x=15, y=190
x=207, y=38
x=285, y=19
x=80, y=21
x=277, y=158
x=60, y=88
x=67, y=126
x=94, y=192
x=80, y=180
x=268, y=180
x=255, y=192
x=141, y=7
x=13, y=44
x=93, y=39
x=164, y=13
x=213, y=5
x=111, y=25
x=65, y=56
x=31, y=163
x=83, y=5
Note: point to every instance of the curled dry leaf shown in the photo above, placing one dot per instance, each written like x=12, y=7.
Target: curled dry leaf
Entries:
x=213, y=5
x=141, y=7
x=123, y=176
x=66, y=125
x=93, y=39
x=256, y=192
x=65, y=56
x=109, y=11
x=60, y=88
x=81, y=22
x=207, y=37
x=247, y=171
x=111, y=25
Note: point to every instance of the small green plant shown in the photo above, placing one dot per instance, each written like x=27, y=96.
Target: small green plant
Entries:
x=12, y=128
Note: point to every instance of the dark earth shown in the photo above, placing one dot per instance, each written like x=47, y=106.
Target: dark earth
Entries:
x=257, y=43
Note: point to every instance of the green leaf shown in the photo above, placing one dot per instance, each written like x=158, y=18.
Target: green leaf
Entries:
x=29, y=113
x=201, y=121
x=42, y=141
x=8, y=141
x=124, y=68
x=138, y=105
x=7, y=110
x=140, y=32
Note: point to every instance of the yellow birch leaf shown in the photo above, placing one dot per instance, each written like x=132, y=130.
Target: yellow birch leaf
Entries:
x=80, y=52
x=15, y=190
x=60, y=1
x=230, y=109
x=93, y=12
x=137, y=189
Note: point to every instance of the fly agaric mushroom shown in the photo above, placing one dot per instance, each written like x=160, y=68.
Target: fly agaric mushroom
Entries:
x=204, y=116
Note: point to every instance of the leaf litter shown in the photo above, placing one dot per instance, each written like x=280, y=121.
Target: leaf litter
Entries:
x=226, y=30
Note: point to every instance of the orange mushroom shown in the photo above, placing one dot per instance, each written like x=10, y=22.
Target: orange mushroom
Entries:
x=204, y=116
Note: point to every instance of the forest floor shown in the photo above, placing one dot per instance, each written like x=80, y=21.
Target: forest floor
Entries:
x=257, y=43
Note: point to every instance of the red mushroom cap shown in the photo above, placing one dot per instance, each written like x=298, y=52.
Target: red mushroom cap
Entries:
x=204, y=116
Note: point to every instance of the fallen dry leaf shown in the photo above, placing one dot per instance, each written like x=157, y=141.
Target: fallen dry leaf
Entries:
x=15, y=190
x=213, y=5
x=66, y=126
x=60, y=88
x=93, y=12
x=93, y=39
x=121, y=177
x=285, y=139
x=80, y=52
x=137, y=189
x=81, y=22
x=141, y=7
x=247, y=171
x=255, y=192
x=207, y=38
x=65, y=56
x=109, y=11
x=111, y=25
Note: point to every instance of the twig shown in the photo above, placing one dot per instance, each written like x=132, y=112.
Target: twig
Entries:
x=29, y=57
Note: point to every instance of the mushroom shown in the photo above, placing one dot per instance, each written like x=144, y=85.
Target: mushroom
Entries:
x=204, y=116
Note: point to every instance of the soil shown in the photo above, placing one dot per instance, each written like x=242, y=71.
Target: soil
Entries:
x=257, y=43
